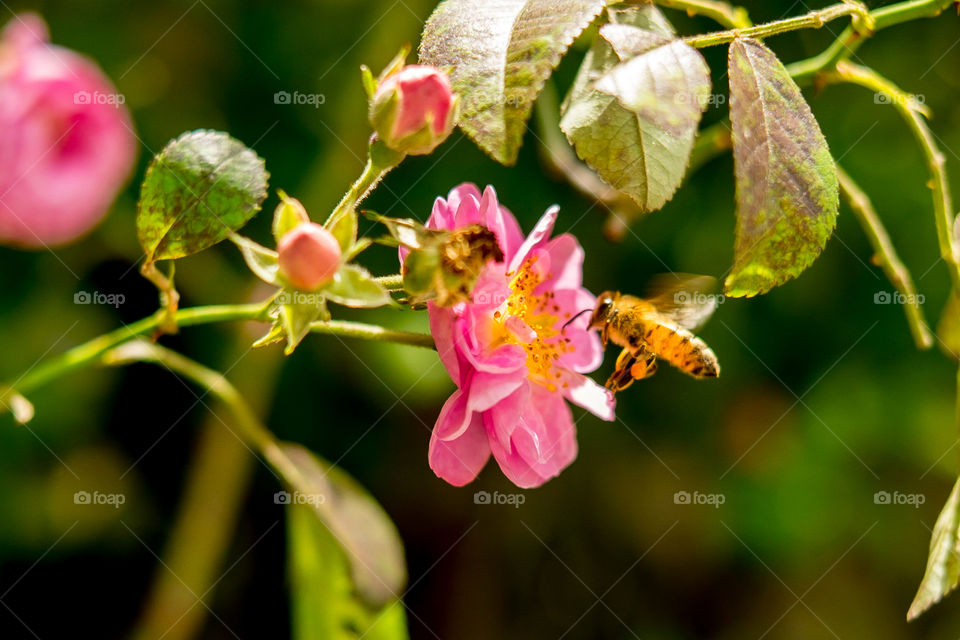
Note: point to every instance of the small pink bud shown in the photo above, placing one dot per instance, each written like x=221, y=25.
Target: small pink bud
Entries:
x=414, y=109
x=309, y=256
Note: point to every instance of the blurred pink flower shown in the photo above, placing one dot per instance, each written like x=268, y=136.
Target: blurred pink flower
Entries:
x=508, y=353
x=309, y=255
x=66, y=142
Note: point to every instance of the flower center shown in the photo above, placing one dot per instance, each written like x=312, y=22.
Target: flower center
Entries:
x=530, y=320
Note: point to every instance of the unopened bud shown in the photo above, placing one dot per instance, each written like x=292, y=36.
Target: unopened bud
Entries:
x=414, y=109
x=309, y=256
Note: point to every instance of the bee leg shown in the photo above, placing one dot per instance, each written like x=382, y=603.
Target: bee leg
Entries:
x=605, y=334
x=622, y=377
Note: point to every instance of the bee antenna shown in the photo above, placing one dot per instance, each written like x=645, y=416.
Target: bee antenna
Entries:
x=567, y=323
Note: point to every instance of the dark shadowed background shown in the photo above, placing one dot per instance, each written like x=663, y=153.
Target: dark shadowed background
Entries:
x=823, y=401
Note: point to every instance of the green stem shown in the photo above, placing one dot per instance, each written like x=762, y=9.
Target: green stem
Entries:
x=391, y=283
x=380, y=160
x=887, y=257
x=89, y=352
x=813, y=20
x=936, y=162
x=721, y=12
x=372, y=332
x=804, y=71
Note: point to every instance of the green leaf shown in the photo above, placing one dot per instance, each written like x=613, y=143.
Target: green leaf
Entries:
x=361, y=528
x=499, y=55
x=298, y=310
x=263, y=262
x=633, y=111
x=943, y=563
x=353, y=286
x=343, y=226
x=409, y=232
x=288, y=214
x=202, y=186
x=787, y=190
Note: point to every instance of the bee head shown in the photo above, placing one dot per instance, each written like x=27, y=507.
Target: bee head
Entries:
x=605, y=306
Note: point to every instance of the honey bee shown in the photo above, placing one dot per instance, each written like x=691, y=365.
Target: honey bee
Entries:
x=660, y=326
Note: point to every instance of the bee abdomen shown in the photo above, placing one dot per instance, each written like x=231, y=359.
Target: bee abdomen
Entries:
x=684, y=350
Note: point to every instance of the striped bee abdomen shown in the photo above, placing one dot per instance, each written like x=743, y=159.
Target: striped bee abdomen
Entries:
x=682, y=349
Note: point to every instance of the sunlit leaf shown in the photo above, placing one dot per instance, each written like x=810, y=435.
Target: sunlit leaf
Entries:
x=360, y=526
x=263, y=262
x=943, y=563
x=633, y=111
x=198, y=189
x=353, y=286
x=499, y=55
x=787, y=191
x=298, y=310
x=324, y=604
x=289, y=214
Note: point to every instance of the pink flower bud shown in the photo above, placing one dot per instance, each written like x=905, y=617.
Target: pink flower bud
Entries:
x=309, y=256
x=414, y=109
x=66, y=141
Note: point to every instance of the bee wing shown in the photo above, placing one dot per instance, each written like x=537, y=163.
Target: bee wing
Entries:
x=686, y=299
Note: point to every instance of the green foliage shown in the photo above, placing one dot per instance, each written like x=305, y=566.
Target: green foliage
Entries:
x=633, y=112
x=943, y=564
x=367, y=538
x=198, y=189
x=499, y=55
x=787, y=191
x=353, y=286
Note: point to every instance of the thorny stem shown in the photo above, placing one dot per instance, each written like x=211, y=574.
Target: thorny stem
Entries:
x=887, y=257
x=813, y=20
x=942, y=203
x=391, y=283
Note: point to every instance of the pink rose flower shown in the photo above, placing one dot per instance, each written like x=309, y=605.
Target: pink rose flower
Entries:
x=509, y=354
x=66, y=142
x=414, y=109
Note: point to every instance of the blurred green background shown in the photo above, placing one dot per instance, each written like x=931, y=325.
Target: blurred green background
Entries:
x=823, y=402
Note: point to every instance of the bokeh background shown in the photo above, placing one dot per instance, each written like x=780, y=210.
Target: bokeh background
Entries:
x=823, y=401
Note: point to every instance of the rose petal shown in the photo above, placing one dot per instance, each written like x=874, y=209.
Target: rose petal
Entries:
x=498, y=219
x=584, y=392
x=459, y=461
x=566, y=263
x=537, y=237
x=442, y=328
x=454, y=417
x=457, y=195
x=488, y=389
